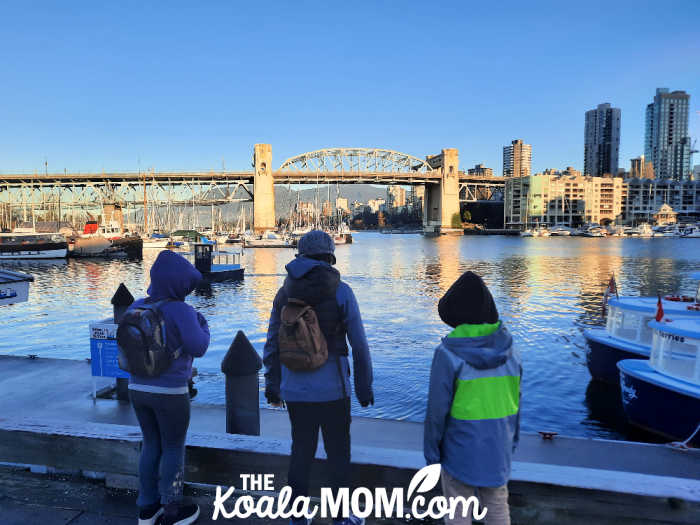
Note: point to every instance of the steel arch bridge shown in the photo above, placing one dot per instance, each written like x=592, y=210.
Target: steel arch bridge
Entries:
x=367, y=160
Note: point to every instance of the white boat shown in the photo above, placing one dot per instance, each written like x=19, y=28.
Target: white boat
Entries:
x=594, y=232
x=267, y=240
x=30, y=245
x=643, y=230
x=663, y=394
x=691, y=232
x=527, y=233
x=14, y=287
x=560, y=231
x=156, y=242
x=543, y=232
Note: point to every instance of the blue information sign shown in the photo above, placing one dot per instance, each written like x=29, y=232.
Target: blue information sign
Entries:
x=104, y=352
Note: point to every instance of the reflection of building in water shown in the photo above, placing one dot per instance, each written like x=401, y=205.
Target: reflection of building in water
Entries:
x=268, y=266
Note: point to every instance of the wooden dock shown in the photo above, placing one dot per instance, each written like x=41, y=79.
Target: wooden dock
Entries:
x=47, y=417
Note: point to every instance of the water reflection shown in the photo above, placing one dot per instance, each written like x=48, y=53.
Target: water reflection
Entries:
x=547, y=291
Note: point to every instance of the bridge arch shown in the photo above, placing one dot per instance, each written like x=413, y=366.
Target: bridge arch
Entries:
x=369, y=160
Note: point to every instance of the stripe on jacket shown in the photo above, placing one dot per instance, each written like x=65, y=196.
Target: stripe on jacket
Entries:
x=486, y=398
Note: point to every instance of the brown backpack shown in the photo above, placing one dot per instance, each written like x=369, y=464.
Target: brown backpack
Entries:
x=302, y=345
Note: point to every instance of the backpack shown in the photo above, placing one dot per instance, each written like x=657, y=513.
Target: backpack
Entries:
x=302, y=345
x=142, y=341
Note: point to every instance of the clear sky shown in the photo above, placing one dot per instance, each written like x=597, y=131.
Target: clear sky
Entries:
x=190, y=85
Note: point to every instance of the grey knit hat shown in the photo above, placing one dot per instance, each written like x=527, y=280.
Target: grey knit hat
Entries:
x=316, y=242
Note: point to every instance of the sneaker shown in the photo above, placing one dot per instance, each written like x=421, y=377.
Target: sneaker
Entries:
x=186, y=514
x=352, y=520
x=300, y=521
x=149, y=515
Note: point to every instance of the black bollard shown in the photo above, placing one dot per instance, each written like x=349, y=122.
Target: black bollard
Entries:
x=241, y=365
x=121, y=300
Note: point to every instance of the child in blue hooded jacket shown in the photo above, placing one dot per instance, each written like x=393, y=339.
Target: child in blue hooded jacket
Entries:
x=473, y=415
x=162, y=403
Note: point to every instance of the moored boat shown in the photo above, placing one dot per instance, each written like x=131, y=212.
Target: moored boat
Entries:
x=662, y=395
x=267, y=240
x=627, y=334
x=31, y=245
x=14, y=287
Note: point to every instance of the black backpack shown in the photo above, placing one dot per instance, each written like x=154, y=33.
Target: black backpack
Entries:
x=142, y=341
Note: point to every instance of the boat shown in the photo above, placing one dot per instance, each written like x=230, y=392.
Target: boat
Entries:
x=662, y=395
x=106, y=240
x=527, y=233
x=543, y=232
x=14, y=287
x=157, y=242
x=643, y=230
x=217, y=266
x=626, y=334
x=269, y=239
x=691, y=232
x=32, y=245
x=593, y=231
x=560, y=231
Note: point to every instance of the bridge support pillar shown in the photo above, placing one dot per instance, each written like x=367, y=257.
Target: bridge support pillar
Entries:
x=263, y=189
x=441, y=213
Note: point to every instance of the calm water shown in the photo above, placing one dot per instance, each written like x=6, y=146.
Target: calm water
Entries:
x=547, y=290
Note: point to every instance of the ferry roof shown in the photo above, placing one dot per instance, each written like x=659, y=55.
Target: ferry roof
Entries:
x=681, y=327
x=649, y=305
x=6, y=277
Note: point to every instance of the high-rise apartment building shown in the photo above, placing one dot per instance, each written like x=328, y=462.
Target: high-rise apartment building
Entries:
x=666, y=140
x=641, y=169
x=517, y=159
x=395, y=197
x=601, y=148
x=479, y=170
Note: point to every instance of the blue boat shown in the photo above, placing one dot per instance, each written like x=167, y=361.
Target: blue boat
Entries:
x=217, y=266
x=627, y=334
x=662, y=395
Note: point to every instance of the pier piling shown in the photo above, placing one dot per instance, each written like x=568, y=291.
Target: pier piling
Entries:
x=241, y=366
x=121, y=300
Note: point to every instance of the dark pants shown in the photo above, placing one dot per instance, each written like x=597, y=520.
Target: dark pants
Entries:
x=164, y=419
x=333, y=418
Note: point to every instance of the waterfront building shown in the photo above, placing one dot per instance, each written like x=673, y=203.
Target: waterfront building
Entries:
x=395, y=197
x=326, y=209
x=640, y=168
x=341, y=204
x=644, y=198
x=480, y=170
x=666, y=140
x=562, y=197
x=375, y=204
x=601, y=148
x=517, y=159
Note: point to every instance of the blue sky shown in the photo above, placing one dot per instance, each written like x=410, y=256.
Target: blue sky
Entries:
x=189, y=85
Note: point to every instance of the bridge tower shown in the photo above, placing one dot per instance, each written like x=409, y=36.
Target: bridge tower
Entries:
x=441, y=212
x=263, y=189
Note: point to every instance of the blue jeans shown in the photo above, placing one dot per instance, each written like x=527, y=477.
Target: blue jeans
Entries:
x=164, y=419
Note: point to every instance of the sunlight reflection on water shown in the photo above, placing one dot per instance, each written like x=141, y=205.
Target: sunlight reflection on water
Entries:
x=547, y=290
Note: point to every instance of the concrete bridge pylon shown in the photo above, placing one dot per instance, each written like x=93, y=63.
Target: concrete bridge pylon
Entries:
x=441, y=213
x=263, y=189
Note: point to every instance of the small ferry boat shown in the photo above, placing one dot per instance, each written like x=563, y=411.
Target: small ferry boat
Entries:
x=32, y=245
x=217, y=266
x=14, y=287
x=627, y=334
x=662, y=395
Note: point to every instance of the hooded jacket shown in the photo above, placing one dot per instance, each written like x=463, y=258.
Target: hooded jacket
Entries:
x=318, y=284
x=473, y=415
x=173, y=277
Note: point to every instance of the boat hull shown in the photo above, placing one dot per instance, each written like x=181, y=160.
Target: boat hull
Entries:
x=223, y=272
x=658, y=403
x=58, y=252
x=604, y=352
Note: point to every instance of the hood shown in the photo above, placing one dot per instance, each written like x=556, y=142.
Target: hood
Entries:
x=172, y=277
x=489, y=351
x=311, y=280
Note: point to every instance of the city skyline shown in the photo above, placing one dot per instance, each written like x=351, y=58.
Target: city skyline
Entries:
x=117, y=88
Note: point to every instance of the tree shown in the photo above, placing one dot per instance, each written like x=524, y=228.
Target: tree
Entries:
x=456, y=221
x=467, y=216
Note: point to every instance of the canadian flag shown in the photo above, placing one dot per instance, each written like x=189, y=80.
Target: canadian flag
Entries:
x=611, y=289
x=659, y=310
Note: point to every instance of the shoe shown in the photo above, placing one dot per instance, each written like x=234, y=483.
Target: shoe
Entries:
x=300, y=521
x=352, y=520
x=149, y=515
x=186, y=514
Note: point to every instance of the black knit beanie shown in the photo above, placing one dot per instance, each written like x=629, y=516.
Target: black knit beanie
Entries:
x=468, y=301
